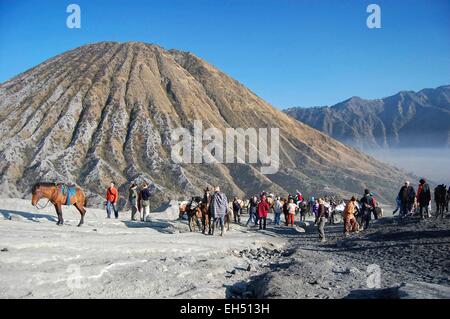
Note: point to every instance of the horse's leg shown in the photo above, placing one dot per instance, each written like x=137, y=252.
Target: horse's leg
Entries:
x=204, y=221
x=60, y=215
x=190, y=222
x=82, y=212
x=57, y=213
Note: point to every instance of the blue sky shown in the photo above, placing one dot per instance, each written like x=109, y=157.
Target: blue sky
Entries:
x=289, y=52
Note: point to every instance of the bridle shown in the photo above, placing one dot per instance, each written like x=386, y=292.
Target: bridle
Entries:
x=39, y=194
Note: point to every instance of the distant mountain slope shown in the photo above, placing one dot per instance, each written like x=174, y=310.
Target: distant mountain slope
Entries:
x=406, y=119
x=106, y=111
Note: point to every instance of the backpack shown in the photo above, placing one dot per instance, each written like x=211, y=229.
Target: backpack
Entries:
x=145, y=194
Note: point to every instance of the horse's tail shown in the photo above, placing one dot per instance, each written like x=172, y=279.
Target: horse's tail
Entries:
x=85, y=198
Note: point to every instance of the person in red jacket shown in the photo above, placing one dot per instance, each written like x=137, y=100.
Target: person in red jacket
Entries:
x=112, y=195
x=263, y=211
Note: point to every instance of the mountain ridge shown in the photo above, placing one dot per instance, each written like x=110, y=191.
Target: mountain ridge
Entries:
x=106, y=111
x=393, y=121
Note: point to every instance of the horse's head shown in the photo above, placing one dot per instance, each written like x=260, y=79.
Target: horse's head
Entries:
x=36, y=194
x=41, y=190
x=182, y=210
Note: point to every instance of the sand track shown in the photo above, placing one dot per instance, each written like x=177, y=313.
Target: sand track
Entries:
x=108, y=258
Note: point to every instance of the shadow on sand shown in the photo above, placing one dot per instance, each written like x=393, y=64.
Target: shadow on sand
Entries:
x=160, y=226
x=30, y=216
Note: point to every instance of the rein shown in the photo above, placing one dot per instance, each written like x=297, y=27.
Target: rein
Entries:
x=42, y=207
x=46, y=204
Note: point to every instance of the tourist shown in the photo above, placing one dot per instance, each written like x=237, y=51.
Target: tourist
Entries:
x=237, y=210
x=219, y=208
x=350, y=224
x=132, y=199
x=406, y=196
x=252, y=210
x=145, y=202
x=322, y=219
x=291, y=212
x=424, y=198
x=263, y=212
x=315, y=210
x=367, y=206
x=277, y=208
x=112, y=195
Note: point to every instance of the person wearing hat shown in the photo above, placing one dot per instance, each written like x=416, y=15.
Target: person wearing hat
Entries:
x=367, y=206
x=424, y=198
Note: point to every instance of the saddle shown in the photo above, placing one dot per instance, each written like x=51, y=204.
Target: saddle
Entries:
x=68, y=191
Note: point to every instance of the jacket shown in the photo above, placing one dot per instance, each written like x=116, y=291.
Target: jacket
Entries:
x=423, y=194
x=350, y=210
x=219, y=205
x=112, y=195
x=406, y=194
x=145, y=194
x=132, y=196
x=263, y=209
x=277, y=207
x=322, y=211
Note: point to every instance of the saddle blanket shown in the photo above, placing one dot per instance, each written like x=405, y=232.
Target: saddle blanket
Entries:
x=68, y=191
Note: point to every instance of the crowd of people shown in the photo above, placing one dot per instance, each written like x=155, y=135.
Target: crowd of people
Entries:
x=356, y=213
x=409, y=201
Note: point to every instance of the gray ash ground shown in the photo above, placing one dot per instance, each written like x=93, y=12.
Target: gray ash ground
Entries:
x=413, y=257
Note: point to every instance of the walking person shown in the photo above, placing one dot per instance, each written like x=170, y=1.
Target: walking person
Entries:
x=302, y=211
x=237, y=210
x=286, y=210
x=219, y=207
x=406, y=197
x=367, y=206
x=322, y=220
x=350, y=223
x=112, y=195
x=263, y=212
x=252, y=210
x=315, y=211
x=424, y=198
x=277, y=208
x=145, y=202
x=292, y=207
x=133, y=200
x=398, y=205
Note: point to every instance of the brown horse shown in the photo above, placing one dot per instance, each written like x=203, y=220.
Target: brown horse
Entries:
x=53, y=192
x=193, y=211
x=204, y=207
